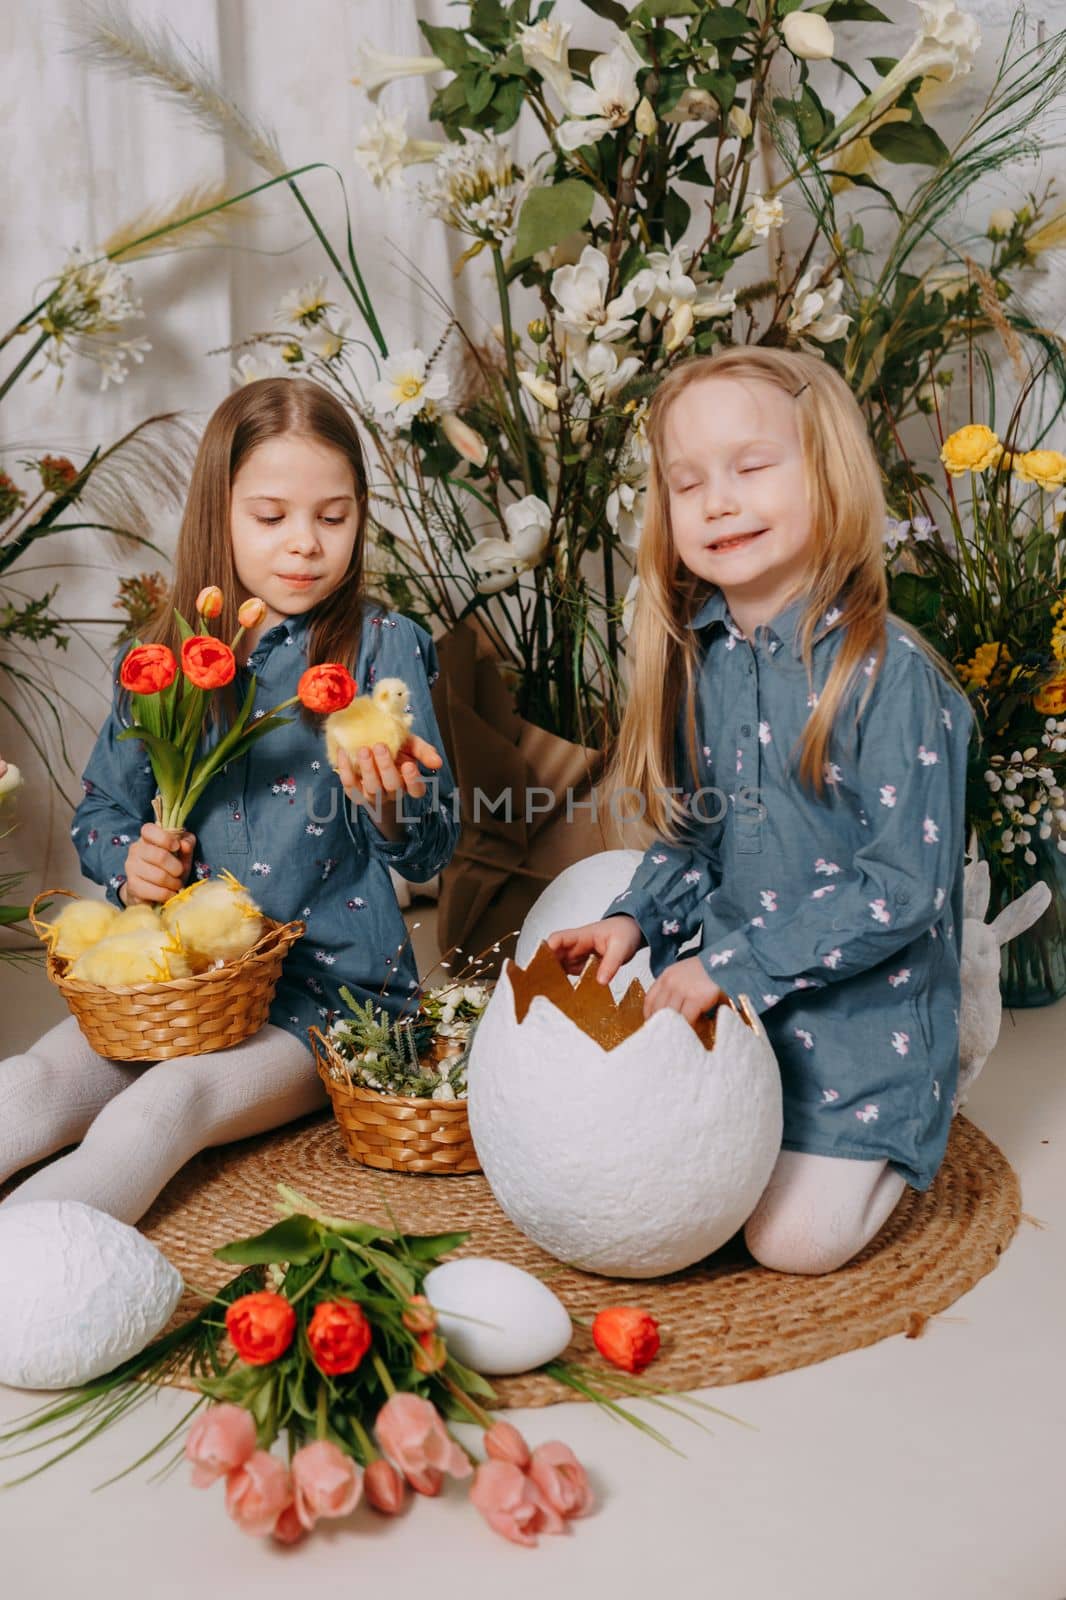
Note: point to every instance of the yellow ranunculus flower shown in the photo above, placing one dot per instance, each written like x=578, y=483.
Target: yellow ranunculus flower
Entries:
x=1045, y=467
x=1050, y=701
x=970, y=449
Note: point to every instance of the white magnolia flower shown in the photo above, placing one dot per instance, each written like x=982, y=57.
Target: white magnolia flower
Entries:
x=375, y=68
x=629, y=605
x=579, y=292
x=625, y=512
x=678, y=328
x=808, y=36
x=255, y=365
x=326, y=342
x=383, y=149
x=91, y=301
x=528, y=523
x=10, y=779
x=545, y=48
x=405, y=388
x=598, y=364
x=762, y=215
x=816, y=312
x=304, y=306
x=608, y=102
x=695, y=105
x=944, y=48
x=714, y=301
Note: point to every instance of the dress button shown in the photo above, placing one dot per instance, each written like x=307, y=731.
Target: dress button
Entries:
x=902, y=898
x=745, y=728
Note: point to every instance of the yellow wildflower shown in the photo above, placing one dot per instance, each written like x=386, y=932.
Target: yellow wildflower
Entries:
x=970, y=449
x=984, y=662
x=1045, y=467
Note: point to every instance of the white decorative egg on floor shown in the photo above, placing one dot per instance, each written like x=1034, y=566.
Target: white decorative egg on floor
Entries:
x=496, y=1318
x=80, y=1293
x=624, y=1147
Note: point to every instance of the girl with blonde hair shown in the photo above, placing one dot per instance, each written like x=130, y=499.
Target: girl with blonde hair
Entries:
x=276, y=510
x=801, y=756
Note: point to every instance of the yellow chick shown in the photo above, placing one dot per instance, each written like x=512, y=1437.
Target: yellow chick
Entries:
x=79, y=925
x=378, y=718
x=216, y=919
x=136, y=916
x=143, y=955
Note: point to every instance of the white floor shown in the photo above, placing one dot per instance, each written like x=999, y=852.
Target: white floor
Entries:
x=927, y=1469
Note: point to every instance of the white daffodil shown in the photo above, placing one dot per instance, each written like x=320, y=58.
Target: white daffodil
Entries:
x=579, y=293
x=545, y=48
x=324, y=341
x=383, y=149
x=528, y=523
x=375, y=68
x=625, y=512
x=405, y=389
x=254, y=365
x=10, y=779
x=542, y=390
x=608, y=102
x=304, y=306
x=604, y=374
x=816, y=312
x=629, y=605
x=808, y=36
x=465, y=439
x=944, y=48
x=762, y=215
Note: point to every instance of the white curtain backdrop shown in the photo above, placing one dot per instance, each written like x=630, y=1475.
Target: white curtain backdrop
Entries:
x=84, y=151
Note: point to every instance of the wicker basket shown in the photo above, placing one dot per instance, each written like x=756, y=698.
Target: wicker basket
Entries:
x=185, y=1017
x=398, y=1133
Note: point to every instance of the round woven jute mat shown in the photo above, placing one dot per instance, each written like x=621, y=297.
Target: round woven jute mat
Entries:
x=724, y=1321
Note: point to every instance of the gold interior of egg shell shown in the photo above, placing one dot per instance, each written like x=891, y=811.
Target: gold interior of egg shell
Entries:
x=588, y=1003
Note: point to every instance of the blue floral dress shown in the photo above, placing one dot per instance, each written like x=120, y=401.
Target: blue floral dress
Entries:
x=280, y=822
x=840, y=919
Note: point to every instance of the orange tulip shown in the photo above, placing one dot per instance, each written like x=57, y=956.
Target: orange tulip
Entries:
x=209, y=601
x=147, y=669
x=626, y=1336
x=339, y=1336
x=251, y=612
x=207, y=662
x=260, y=1326
x=329, y=687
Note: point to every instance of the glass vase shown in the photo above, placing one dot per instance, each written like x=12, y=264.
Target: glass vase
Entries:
x=1033, y=966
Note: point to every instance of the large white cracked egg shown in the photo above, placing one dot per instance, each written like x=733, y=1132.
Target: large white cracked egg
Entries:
x=620, y=1146
x=80, y=1292
x=495, y=1317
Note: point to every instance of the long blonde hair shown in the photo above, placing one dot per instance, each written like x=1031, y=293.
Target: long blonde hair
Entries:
x=847, y=511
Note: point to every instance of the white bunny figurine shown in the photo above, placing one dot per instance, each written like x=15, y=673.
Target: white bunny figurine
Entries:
x=981, y=1006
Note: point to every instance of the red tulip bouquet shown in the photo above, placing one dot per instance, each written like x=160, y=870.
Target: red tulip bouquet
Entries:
x=170, y=704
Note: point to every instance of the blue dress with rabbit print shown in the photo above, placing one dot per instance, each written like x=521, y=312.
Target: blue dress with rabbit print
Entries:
x=279, y=821
x=839, y=918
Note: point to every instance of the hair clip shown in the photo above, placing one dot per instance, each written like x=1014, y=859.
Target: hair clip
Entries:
x=801, y=388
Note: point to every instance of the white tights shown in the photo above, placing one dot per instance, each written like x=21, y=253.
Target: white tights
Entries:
x=138, y=1123
x=817, y=1212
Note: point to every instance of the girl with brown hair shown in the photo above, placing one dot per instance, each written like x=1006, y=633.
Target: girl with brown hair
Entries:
x=276, y=510
x=819, y=859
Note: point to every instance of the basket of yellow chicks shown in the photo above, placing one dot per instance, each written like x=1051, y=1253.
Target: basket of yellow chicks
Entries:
x=147, y=983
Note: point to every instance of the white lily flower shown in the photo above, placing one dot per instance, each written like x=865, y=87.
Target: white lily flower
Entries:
x=405, y=389
x=579, y=292
x=816, y=312
x=252, y=366
x=376, y=68
x=944, y=48
x=528, y=523
x=608, y=102
x=542, y=390
x=383, y=149
x=602, y=371
x=545, y=48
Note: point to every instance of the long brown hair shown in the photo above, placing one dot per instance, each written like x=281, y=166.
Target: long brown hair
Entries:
x=246, y=419
x=847, y=510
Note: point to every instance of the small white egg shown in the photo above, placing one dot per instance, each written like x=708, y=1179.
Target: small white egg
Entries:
x=496, y=1318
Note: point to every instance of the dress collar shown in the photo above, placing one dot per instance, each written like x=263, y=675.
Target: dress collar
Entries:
x=785, y=627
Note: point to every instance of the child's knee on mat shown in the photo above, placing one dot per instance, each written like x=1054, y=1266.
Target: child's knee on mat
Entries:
x=788, y=1241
